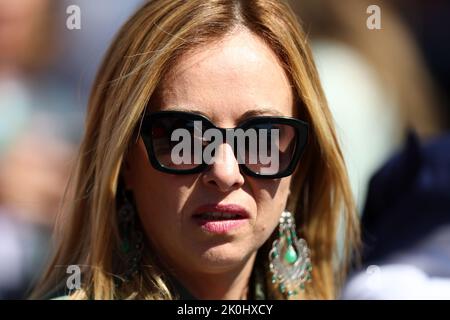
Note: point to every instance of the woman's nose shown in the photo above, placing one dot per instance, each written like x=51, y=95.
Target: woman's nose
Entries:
x=224, y=172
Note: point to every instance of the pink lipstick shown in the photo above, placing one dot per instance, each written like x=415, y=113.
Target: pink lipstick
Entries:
x=220, y=218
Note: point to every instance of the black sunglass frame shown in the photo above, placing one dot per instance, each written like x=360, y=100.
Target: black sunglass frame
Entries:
x=301, y=130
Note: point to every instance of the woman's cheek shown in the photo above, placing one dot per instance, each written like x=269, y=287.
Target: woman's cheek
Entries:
x=270, y=208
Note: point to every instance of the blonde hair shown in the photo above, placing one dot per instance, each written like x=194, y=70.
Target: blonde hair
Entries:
x=145, y=49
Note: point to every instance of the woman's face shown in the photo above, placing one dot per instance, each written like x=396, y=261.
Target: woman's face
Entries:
x=239, y=76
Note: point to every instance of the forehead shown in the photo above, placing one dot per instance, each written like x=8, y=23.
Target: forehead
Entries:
x=228, y=78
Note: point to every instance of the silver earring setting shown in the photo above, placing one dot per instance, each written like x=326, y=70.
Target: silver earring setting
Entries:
x=289, y=258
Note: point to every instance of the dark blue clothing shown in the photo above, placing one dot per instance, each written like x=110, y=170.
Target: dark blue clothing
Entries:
x=408, y=199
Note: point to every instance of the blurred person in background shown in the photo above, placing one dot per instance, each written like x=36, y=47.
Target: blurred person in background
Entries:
x=406, y=226
x=81, y=50
x=46, y=70
x=430, y=23
x=375, y=81
x=379, y=90
x=39, y=127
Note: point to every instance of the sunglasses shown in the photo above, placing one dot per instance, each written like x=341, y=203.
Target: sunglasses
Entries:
x=180, y=142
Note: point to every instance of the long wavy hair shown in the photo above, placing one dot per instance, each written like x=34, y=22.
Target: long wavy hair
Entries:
x=144, y=50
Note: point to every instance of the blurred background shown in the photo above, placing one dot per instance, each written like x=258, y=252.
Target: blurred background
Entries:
x=388, y=89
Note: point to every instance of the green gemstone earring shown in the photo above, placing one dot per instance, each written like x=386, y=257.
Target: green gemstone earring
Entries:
x=132, y=237
x=289, y=258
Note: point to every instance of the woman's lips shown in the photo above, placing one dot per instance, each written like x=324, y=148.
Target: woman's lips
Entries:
x=220, y=218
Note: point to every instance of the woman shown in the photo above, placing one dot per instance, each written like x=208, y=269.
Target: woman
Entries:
x=161, y=209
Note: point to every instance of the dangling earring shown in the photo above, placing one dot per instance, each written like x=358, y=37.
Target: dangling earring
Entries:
x=289, y=258
x=131, y=235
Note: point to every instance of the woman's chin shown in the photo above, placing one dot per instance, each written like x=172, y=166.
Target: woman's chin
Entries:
x=223, y=257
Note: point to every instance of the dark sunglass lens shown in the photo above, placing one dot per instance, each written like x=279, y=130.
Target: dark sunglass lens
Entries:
x=173, y=141
x=274, y=149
